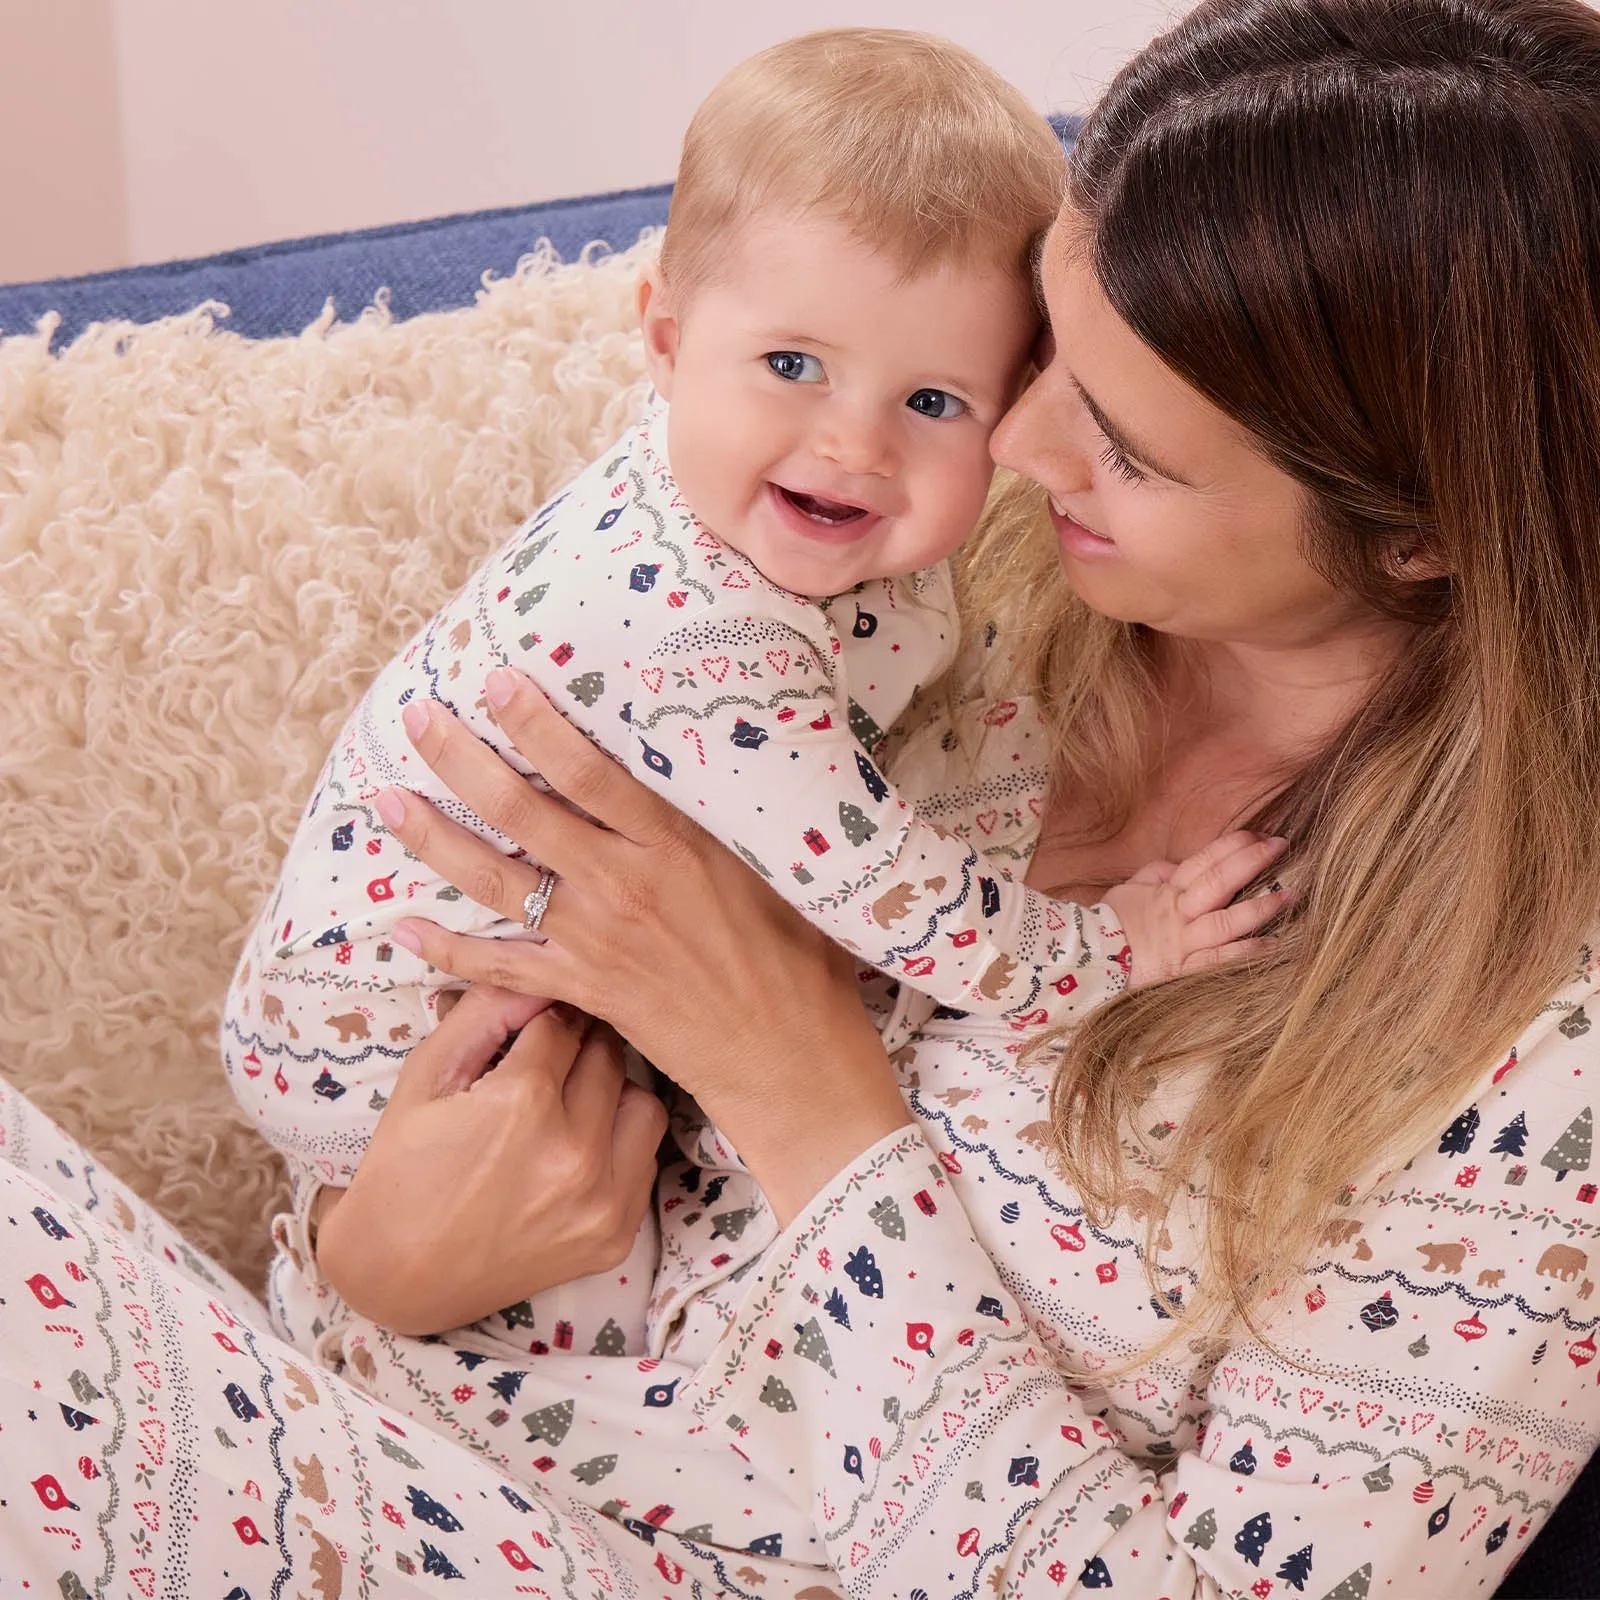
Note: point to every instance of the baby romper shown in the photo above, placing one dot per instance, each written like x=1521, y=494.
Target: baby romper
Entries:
x=756, y=711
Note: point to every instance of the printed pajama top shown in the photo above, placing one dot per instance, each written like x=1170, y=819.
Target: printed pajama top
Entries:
x=922, y=1343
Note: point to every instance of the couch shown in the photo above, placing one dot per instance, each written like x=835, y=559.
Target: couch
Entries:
x=213, y=529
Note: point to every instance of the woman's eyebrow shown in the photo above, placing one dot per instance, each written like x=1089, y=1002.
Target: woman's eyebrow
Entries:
x=1133, y=451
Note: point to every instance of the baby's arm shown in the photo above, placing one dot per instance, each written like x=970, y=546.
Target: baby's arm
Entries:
x=744, y=721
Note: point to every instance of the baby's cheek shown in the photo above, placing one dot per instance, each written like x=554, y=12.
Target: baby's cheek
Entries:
x=965, y=487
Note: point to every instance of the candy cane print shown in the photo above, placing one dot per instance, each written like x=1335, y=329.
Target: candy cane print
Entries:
x=699, y=744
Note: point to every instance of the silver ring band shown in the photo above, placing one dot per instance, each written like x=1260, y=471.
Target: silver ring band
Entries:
x=538, y=900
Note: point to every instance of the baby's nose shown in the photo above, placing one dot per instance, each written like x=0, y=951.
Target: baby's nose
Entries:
x=857, y=443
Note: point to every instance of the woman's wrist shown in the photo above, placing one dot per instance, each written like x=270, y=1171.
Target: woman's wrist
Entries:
x=817, y=1102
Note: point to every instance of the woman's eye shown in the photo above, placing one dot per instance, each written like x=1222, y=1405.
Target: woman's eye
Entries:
x=794, y=366
x=936, y=403
x=1120, y=465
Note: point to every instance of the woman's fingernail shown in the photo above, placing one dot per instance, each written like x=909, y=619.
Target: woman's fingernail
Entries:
x=404, y=937
x=415, y=717
x=391, y=807
x=500, y=686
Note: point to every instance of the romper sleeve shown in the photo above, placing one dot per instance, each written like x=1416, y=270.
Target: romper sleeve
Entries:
x=744, y=720
x=941, y=1448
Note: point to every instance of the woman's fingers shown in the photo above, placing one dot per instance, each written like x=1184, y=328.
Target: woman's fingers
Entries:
x=636, y=1134
x=619, y=1123
x=637, y=1131
x=498, y=882
x=514, y=807
x=571, y=765
x=458, y=1052
x=594, y=1086
x=516, y=964
x=1153, y=872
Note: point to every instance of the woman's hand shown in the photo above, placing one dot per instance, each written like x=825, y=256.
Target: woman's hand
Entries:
x=658, y=929
x=481, y=1186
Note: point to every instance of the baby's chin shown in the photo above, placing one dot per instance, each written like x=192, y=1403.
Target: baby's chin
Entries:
x=812, y=580
x=814, y=569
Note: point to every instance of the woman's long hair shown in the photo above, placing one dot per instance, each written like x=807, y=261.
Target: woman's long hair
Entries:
x=1370, y=234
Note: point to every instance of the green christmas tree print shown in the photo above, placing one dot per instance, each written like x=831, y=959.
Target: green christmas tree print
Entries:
x=775, y=1393
x=611, y=1340
x=550, y=1423
x=858, y=826
x=1572, y=1151
x=1202, y=1532
x=752, y=860
x=587, y=687
x=594, y=1469
x=810, y=1345
x=1354, y=1587
x=887, y=1215
x=731, y=1224
x=868, y=734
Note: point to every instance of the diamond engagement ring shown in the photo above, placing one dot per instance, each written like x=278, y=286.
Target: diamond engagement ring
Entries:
x=538, y=901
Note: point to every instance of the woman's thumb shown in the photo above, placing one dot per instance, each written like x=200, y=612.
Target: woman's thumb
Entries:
x=469, y=1037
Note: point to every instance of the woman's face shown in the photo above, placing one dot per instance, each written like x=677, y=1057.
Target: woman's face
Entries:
x=1165, y=512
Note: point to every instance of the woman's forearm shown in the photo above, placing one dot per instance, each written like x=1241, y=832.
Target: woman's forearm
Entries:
x=817, y=1097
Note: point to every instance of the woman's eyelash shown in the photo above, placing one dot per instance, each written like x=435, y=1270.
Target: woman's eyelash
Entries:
x=1121, y=465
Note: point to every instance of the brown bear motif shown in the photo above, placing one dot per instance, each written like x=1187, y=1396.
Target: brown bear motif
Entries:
x=1562, y=1261
x=1445, y=1257
x=351, y=1025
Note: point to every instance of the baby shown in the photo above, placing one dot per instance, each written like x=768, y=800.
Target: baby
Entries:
x=737, y=600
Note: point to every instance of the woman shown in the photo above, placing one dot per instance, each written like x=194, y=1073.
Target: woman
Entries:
x=1319, y=434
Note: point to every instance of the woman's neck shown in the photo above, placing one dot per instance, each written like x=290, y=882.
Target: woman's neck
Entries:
x=1236, y=723
x=1283, y=702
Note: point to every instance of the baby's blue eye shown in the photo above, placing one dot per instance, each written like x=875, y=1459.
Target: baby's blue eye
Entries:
x=936, y=403
x=794, y=366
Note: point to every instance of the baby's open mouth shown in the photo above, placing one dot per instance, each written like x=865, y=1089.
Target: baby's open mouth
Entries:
x=835, y=513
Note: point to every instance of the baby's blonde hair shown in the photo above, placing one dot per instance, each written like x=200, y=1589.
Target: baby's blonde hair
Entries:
x=911, y=142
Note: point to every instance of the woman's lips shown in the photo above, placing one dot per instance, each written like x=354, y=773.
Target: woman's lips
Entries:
x=818, y=517
x=1081, y=541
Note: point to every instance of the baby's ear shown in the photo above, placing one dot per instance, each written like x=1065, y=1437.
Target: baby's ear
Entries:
x=660, y=324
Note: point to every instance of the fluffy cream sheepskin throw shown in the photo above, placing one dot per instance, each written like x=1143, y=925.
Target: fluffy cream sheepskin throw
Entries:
x=208, y=545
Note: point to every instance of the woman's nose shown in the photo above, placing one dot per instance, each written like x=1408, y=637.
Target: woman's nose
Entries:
x=1039, y=437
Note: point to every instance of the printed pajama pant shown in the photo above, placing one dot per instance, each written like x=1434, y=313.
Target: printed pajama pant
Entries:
x=155, y=1440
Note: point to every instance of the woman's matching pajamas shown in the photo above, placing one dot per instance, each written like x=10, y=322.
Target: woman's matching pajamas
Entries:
x=755, y=711
x=898, y=1393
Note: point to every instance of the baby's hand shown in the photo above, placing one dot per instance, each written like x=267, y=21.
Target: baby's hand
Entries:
x=1178, y=916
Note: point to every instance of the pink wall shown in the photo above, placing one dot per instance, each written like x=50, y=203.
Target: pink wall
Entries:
x=231, y=124
x=142, y=130
x=62, y=190
x=350, y=113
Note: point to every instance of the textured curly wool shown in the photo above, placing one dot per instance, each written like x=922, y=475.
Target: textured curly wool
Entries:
x=208, y=545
